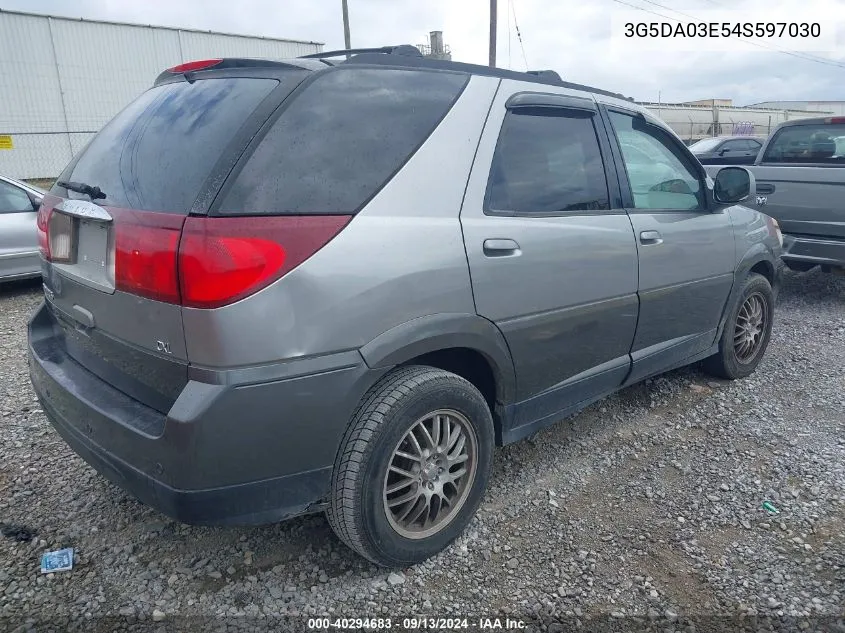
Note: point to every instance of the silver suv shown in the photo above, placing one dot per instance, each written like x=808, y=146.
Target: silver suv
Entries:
x=274, y=288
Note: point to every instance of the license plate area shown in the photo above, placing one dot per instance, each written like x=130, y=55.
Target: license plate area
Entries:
x=89, y=250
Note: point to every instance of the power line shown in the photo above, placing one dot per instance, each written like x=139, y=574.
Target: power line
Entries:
x=518, y=34
x=510, y=37
x=805, y=57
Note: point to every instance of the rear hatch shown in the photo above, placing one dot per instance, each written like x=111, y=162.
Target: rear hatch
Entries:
x=110, y=228
x=802, y=176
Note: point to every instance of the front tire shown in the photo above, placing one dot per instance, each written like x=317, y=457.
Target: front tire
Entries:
x=747, y=331
x=413, y=466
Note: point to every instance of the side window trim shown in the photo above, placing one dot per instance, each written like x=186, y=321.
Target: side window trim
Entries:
x=539, y=101
x=549, y=100
x=611, y=169
x=627, y=193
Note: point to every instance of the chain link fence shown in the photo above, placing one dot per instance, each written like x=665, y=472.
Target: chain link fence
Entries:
x=693, y=123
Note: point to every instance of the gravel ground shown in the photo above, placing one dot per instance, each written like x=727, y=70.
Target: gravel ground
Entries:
x=643, y=512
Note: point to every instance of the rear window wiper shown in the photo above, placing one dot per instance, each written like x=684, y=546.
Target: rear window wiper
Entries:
x=80, y=187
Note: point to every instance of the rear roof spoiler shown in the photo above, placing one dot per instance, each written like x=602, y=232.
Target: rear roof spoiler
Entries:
x=401, y=49
x=403, y=55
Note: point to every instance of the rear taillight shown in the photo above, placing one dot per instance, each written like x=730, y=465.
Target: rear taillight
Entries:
x=203, y=262
x=201, y=64
x=223, y=260
x=145, y=248
x=836, y=119
x=42, y=223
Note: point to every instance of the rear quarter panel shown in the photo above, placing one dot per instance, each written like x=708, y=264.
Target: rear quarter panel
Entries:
x=400, y=258
x=753, y=236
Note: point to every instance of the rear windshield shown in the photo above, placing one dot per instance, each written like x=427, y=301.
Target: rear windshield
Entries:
x=817, y=143
x=156, y=154
x=340, y=140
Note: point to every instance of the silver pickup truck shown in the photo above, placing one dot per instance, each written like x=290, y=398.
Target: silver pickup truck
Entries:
x=800, y=175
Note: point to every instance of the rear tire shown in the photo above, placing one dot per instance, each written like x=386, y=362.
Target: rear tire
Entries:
x=747, y=331
x=412, y=467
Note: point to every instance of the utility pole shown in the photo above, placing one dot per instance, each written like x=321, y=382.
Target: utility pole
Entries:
x=492, y=33
x=346, y=41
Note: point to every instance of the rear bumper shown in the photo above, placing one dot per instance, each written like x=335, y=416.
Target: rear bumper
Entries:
x=823, y=251
x=226, y=453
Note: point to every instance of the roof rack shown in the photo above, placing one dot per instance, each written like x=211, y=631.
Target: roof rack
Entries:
x=401, y=49
x=408, y=55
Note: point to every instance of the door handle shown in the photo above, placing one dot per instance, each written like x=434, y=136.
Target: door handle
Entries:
x=765, y=187
x=501, y=248
x=650, y=237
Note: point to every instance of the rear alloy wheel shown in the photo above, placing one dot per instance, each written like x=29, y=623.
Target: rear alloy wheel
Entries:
x=747, y=331
x=412, y=467
x=750, y=328
x=430, y=474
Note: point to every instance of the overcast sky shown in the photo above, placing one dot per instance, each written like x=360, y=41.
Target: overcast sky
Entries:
x=569, y=36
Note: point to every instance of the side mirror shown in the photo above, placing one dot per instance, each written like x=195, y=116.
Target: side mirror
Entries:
x=723, y=151
x=732, y=185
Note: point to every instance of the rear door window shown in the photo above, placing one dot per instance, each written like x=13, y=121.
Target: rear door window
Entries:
x=547, y=161
x=156, y=154
x=340, y=140
x=815, y=143
x=13, y=199
x=734, y=146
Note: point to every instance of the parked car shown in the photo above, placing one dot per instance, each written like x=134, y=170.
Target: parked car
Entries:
x=310, y=286
x=18, y=237
x=800, y=179
x=727, y=150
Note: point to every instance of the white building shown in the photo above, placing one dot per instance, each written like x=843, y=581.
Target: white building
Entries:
x=62, y=79
x=835, y=107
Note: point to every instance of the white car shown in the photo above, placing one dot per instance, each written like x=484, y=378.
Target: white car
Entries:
x=19, y=204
